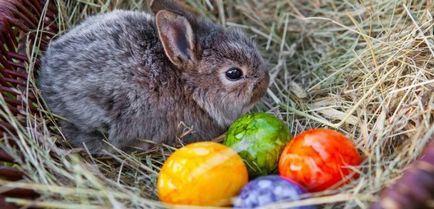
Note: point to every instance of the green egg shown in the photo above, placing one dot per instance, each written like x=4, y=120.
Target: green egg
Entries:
x=259, y=138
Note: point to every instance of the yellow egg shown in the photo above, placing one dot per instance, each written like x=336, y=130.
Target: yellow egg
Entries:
x=202, y=173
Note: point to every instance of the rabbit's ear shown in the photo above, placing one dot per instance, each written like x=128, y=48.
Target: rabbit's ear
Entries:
x=176, y=35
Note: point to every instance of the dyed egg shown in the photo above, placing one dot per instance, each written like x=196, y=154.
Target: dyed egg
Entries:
x=259, y=138
x=202, y=173
x=265, y=190
x=318, y=159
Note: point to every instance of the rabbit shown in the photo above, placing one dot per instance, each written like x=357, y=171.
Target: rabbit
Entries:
x=129, y=76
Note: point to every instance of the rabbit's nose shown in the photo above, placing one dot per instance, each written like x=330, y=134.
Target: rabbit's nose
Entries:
x=260, y=88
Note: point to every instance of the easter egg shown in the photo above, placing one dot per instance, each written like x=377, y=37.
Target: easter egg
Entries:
x=318, y=159
x=202, y=173
x=259, y=138
x=265, y=190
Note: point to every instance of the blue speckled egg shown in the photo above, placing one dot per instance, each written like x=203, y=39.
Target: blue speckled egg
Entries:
x=269, y=189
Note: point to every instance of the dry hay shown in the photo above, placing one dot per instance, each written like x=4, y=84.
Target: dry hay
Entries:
x=365, y=68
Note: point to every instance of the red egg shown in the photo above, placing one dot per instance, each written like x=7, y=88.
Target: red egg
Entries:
x=318, y=159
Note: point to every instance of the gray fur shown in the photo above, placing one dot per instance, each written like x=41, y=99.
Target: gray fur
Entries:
x=110, y=76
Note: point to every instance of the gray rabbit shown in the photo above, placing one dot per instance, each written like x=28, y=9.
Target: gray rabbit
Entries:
x=125, y=76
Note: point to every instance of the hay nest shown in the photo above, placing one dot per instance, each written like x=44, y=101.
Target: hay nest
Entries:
x=363, y=68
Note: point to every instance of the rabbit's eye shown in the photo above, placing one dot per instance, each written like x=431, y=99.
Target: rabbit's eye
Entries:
x=234, y=73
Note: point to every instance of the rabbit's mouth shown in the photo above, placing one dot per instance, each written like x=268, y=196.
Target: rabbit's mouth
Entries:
x=259, y=89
